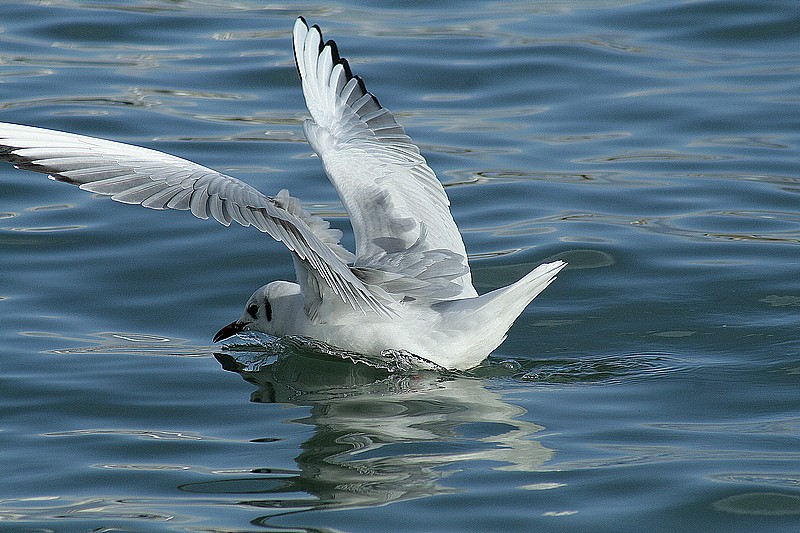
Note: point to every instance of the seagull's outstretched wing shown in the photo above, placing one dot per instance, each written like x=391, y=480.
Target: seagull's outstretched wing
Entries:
x=405, y=234
x=136, y=175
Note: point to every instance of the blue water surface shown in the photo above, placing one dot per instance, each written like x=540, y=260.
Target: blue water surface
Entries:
x=653, y=387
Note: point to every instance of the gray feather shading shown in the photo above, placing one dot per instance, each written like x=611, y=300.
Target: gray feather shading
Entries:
x=412, y=273
x=153, y=179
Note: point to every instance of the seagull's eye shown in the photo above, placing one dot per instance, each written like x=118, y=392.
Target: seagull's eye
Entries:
x=268, y=308
x=252, y=310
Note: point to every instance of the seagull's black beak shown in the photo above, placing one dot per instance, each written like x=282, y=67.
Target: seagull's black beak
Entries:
x=229, y=331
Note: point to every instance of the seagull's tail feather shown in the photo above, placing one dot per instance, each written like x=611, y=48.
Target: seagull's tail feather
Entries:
x=490, y=316
x=482, y=323
x=510, y=301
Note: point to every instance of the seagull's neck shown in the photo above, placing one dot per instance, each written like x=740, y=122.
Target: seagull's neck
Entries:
x=290, y=314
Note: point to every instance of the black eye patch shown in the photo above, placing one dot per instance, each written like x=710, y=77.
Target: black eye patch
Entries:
x=252, y=310
x=269, y=310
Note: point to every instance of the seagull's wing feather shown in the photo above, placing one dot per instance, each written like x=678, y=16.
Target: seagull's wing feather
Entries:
x=136, y=175
x=396, y=204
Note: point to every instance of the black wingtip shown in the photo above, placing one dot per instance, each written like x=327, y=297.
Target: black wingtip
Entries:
x=365, y=91
x=334, y=51
x=346, y=66
x=321, y=37
x=337, y=59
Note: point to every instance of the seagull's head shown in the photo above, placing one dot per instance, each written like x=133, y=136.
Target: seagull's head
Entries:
x=265, y=311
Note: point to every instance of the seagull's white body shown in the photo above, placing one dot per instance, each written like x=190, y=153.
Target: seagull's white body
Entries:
x=407, y=287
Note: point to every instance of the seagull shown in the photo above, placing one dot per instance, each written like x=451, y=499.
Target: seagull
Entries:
x=407, y=288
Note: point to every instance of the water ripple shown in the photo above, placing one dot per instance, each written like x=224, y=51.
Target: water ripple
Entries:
x=610, y=369
x=121, y=343
x=65, y=512
x=781, y=480
x=138, y=433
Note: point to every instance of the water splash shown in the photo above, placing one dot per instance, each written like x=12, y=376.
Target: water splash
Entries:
x=259, y=350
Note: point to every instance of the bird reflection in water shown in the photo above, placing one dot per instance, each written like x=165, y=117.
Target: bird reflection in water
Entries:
x=380, y=434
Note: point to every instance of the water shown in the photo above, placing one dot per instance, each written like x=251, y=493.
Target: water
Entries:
x=652, y=387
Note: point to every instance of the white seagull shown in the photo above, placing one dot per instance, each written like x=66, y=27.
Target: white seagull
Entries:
x=408, y=286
